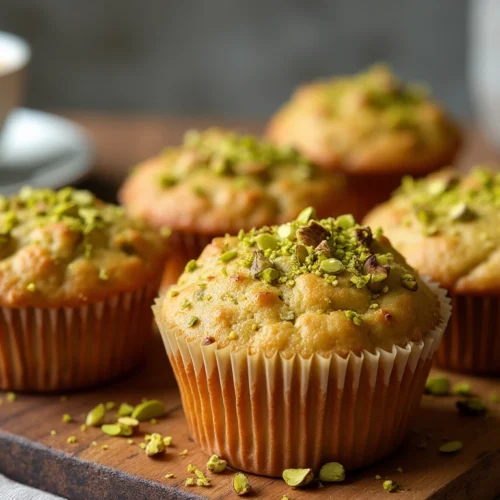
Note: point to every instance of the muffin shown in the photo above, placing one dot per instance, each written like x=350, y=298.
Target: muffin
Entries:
x=219, y=182
x=448, y=227
x=77, y=281
x=300, y=344
x=371, y=126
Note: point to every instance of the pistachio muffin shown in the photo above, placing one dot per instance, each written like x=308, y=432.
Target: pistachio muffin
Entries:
x=218, y=182
x=77, y=279
x=300, y=344
x=448, y=227
x=370, y=125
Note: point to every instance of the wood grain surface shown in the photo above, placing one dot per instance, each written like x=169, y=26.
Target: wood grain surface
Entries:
x=81, y=471
x=29, y=453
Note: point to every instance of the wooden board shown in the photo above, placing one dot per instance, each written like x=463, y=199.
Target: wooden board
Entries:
x=80, y=471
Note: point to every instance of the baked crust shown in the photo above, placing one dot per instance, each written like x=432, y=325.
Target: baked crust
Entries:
x=369, y=122
x=259, y=185
x=66, y=248
x=300, y=309
x=462, y=255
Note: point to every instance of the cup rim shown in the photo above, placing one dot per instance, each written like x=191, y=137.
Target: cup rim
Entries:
x=15, y=53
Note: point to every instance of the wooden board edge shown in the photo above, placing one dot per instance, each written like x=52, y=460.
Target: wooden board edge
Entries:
x=481, y=482
x=73, y=478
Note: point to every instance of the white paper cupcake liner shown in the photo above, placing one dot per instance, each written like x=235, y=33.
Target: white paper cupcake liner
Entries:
x=74, y=347
x=265, y=414
x=472, y=340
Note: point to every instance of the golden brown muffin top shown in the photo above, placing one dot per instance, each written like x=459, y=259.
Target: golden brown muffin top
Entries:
x=67, y=248
x=448, y=227
x=309, y=286
x=369, y=122
x=218, y=181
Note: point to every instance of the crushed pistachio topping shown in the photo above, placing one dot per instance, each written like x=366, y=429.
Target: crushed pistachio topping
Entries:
x=125, y=410
x=11, y=397
x=169, y=476
x=201, y=479
x=451, y=447
x=155, y=445
x=229, y=155
x=442, y=204
x=437, y=386
x=66, y=418
x=329, y=248
x=71, y=440
x=297, y=478
x=183, y=453
x=53, y=432
x=117, y=430
x=110, y=405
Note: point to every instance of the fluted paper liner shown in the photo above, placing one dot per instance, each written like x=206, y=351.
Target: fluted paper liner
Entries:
x=472, y=340
x=265, y=414
x=57, y=349
x=183, y=248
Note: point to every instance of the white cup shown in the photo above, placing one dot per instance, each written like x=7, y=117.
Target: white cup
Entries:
x=15, y=54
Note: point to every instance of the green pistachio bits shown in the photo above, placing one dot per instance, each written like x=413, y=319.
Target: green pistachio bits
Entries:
x=296, y=478
x=462, y=389
x=129, y=421
x=390, y=485
x=216, y=464
x=286, y=231
x=227, y=256
x=148, y=410
x=266, y=241
x=451, y=447
x=95, y=416
x=241, y=486
x=331, y=266
x=155, y=445
x=117, y=430
x=306, y=215
x=332, y=472
x=472, y=407
x=125, y=410
x=346, y=221
x=437, y=386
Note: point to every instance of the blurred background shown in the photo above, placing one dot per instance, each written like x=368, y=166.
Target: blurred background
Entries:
x=229, y=57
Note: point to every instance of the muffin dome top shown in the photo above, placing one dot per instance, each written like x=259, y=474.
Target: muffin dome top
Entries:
x=309, y=286
x=218, y=181
x=367, y=122
x=66, y=248
x=448, y=227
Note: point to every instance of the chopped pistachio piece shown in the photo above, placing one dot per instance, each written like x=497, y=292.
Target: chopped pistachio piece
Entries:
x=409, y=282
x=286, y=231
x=216, y=464
x=183, y=453
x=241, y=485
x=437, y=386
x=66, y=418
x=148, y=410
x=462, y=212
x=332, y=472
x=167, y=441
x=125, y=410
x=130, y=441
x=11, y=397
x=306, y=215
x=169, y=476
x=105, y=447
x=129, y=421
x=462, y=389
x=53, y=432
x=190, y=481
x=227, y=256
x=298, y=477
x=266, y=241
x=471, y=407
x=390, y=485
x=110, y=405
x=269, y=275
x=31, y=287
x=193, y=321
x=117, y=430
x=155, y=445
x=332, y=266
x=451, y=447
x=346, y=221
x=378, y=476
x=71, y=439
x=83, y=427
x=96, y=416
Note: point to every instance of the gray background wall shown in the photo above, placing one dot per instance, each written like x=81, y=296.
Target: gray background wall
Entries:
x=229, y=57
